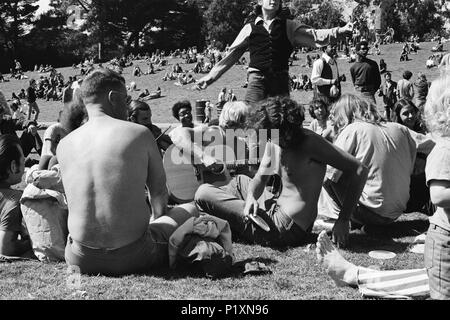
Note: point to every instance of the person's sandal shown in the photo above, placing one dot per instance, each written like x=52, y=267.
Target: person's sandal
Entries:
x=256, y=268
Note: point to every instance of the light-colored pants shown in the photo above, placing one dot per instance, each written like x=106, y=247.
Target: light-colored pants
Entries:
x=393, y=284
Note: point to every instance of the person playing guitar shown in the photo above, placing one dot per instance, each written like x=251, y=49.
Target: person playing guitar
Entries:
x=210, y=149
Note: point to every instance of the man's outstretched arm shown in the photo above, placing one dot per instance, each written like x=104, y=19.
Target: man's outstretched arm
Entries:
x=301, y=35
x=236, y=50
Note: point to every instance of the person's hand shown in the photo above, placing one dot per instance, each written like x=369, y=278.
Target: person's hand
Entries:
x=32, y=129
x=333, y=81
x=348, y=28
x=340, y=231
x=251, y=207
x=212, y=164
x=201, y=84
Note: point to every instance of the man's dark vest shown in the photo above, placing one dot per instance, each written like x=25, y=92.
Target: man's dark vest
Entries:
x=327, y=73
x=270, y=52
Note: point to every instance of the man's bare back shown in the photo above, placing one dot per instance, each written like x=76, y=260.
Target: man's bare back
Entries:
x=302, y=177
x=105, y=182
x=106, y=164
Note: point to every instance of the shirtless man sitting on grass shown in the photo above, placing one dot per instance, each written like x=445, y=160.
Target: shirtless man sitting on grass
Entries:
x=299, y=157
x=106, y=164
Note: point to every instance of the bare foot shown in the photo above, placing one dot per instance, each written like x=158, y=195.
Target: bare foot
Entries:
x=340, y=270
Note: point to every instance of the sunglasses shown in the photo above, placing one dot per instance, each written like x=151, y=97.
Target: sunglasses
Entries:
x=128, y=97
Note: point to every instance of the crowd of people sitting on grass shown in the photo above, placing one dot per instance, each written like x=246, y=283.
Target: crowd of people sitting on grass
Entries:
x=352, y=168
x=340, y=136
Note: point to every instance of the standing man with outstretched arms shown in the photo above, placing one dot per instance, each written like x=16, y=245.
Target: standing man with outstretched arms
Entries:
x=270, y=38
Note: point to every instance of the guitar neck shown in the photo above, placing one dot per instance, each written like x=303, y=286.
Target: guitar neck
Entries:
x=241, y=163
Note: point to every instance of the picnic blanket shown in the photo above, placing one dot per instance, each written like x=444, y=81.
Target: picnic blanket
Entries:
x=204, y=241
x=44, y=210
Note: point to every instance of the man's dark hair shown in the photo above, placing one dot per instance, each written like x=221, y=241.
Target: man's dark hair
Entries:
x=360, y=44
x=179, y=105
x=280, y=113
x=282, y=12
x=387, y=74
x=101, y=81
x=9, y=152
x=407, y=75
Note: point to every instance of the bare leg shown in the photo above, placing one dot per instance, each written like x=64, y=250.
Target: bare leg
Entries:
x=340, y=270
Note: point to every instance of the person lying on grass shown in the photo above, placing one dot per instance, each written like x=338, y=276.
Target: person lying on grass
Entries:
x=300, y=158
x=106, y=164
x=13, y=241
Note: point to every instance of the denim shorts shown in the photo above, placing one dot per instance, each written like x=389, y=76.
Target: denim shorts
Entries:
x=437, y=262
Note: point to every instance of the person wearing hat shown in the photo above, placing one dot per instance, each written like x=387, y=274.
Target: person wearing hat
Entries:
x=271, y=39
x=365, y=73
x=325, y=76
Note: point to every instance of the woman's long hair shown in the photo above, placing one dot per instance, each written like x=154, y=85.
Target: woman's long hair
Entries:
x=350, y=108
x=402, y=103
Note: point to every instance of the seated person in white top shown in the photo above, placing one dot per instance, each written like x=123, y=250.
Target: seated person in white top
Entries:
x=386, y=148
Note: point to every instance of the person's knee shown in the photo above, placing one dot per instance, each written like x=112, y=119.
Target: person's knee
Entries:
x=204, y=193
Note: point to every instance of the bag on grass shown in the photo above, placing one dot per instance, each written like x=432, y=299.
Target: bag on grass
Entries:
x=44, y=210
x=205, y=244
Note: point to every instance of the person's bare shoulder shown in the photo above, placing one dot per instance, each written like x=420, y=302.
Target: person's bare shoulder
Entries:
x=312, y=141
x=311, y=136
x=134, y=130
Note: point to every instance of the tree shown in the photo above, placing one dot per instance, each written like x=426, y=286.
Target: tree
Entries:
x=317, y=14
x=224, y=19
x=16, y=17
x=418, y=17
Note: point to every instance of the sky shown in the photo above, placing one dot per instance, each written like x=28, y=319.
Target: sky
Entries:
x=43, y=6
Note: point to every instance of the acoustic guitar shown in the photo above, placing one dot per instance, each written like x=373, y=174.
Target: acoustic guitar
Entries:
x=184, y=177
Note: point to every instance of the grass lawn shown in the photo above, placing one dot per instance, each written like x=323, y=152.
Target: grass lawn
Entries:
x=296, y=273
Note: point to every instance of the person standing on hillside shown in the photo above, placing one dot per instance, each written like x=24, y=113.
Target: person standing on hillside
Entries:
x=270, y=38
x=405, y=89
x=365, y=73
x=31, y=98
x=325, y=76
x=388, y=91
